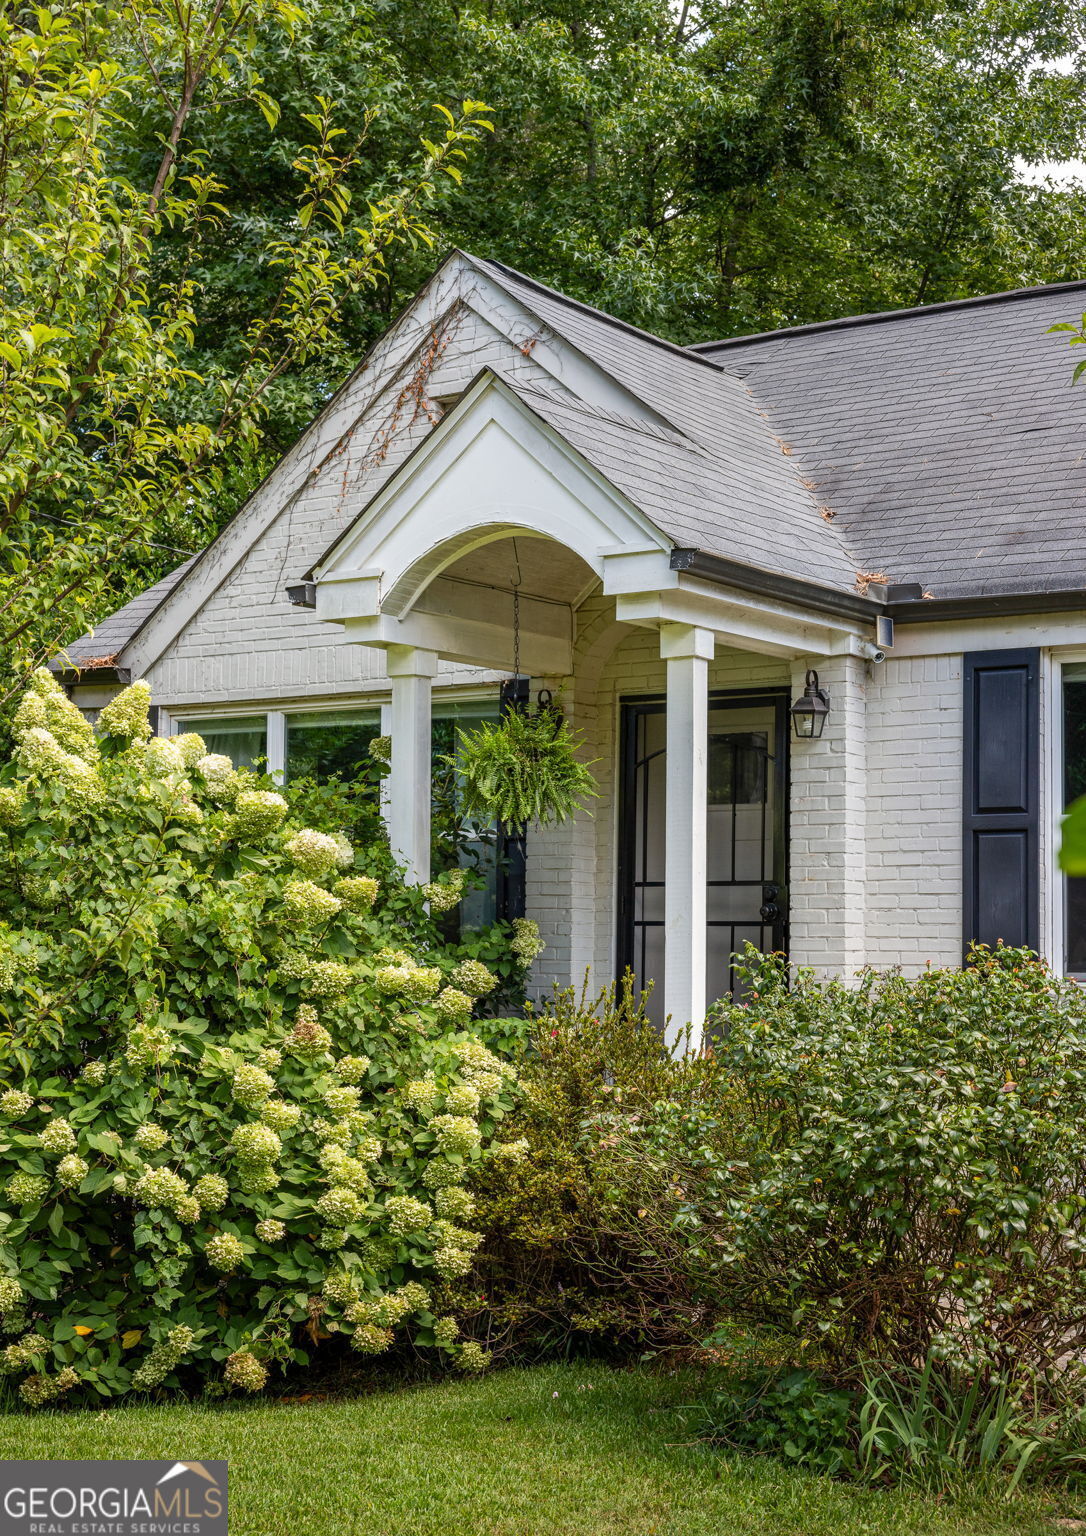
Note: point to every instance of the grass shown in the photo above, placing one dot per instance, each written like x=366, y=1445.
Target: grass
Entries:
x=555, y=1451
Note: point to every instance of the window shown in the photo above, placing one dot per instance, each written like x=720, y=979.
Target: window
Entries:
x=244, y=739
x=478, y=846
x=328, y=743
x=323, y=744
x=1074, y=785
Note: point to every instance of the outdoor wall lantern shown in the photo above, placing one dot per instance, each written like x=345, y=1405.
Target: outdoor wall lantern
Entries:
x=809, y=713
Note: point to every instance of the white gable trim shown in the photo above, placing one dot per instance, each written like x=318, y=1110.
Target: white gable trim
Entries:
x=491, y=468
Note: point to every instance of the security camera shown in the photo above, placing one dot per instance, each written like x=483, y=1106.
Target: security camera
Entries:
x=871, y=652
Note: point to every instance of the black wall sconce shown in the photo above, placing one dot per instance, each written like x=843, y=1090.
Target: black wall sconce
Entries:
x=809, y=713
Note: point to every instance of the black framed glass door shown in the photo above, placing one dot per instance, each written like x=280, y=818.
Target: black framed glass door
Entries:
x=746, y=832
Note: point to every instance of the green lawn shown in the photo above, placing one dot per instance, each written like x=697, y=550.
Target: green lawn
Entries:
x=557, y=1451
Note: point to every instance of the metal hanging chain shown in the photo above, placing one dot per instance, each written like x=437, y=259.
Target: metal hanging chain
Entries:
x=516, y=614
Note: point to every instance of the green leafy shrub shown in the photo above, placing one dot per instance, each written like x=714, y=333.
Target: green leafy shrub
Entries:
x=576, y=1260
x=894, y=1169
x=929, y=1428
x=791, y=1414
x=241, y=1090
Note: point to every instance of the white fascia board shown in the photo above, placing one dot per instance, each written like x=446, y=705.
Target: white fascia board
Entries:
x=491, y=467
x=951, y=637
x=737, y=619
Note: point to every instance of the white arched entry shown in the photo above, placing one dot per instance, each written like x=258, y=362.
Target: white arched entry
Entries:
x=494, y=497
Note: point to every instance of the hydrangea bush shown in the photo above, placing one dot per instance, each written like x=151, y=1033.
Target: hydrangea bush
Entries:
x=240, y=1099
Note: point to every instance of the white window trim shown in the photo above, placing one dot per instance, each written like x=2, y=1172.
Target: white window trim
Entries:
x=1054, y=888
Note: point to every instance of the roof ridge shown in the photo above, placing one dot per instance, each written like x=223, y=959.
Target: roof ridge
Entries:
x=877, y=317
x=597, y=314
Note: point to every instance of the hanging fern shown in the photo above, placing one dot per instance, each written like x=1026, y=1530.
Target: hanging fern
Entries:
x=522, y=769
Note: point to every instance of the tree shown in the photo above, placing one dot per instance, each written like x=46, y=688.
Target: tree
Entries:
x=114, y=442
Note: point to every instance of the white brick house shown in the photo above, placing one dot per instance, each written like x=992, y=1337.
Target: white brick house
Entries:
x=692, y=531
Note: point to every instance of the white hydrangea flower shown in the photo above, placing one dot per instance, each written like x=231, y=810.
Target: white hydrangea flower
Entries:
x=315, y=853
x=245, y=1372
x=16, y=1104
x=162, y=757
x=220, y=778
x=58, y=1138
x=150, y=1138
x=224, y=1252
x=340, y=1100
x=406, y=1215
x=270, y=1231
x=357, y=892
x=305, y=904
x=328, y=978
x=339, y=1206
x=280, y=1115
x=417, y=983
x=42, y=757
x=251, y=1085
x=257, y=814
x=444, y=894
x=255, y=1143
x=456, y=1134
x=344, y=850
x=454, y=1204
x=212, y=1191
x=453, y=1005
x=474, y=978
x=191, y=747
x=462, y=1099
x=352, y=1069
x=526, y=943
x=160, y=1188
x=126, y=714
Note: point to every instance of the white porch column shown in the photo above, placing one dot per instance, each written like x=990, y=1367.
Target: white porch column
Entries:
x=411, y=672
x=687, y=650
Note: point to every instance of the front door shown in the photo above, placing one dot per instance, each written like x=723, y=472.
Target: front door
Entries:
x=746, y=830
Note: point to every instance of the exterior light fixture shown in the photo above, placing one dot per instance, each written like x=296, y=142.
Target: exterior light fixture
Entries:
x=809, y=713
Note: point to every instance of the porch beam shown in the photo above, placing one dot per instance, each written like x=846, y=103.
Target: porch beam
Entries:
x=687, y=651
x=411, y=672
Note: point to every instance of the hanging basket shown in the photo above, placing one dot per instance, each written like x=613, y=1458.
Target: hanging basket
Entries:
x=523, y=769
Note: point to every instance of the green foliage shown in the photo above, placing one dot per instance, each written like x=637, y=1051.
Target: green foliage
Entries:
x=936, y=1432
x=701, y=171
x=793, y=1415
x=1073, y=839
x=240, y=1097
x=522, y=769
x=888, y=1170
x=113, y=445
x=929, y=1429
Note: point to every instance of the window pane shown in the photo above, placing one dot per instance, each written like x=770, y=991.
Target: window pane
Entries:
x=243, y=739
x=330, y=743
x=1074, y=764
x=477, y=845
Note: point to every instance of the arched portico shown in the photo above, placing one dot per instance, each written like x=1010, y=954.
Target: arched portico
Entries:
x=494, y=510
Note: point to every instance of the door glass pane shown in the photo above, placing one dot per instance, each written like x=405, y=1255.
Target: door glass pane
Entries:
x=742, y=856
x=1074, y=738
x=243, y=739
x=329, y=744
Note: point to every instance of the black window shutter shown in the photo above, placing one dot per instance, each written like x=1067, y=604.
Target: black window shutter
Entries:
x=1000, y=843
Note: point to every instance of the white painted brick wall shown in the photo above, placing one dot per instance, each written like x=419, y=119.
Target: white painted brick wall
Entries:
x=914, y=812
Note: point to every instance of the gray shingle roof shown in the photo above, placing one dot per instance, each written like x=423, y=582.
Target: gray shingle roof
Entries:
x=699, y=500
x=731, y=490
x=114, y=632
x=949, y=440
